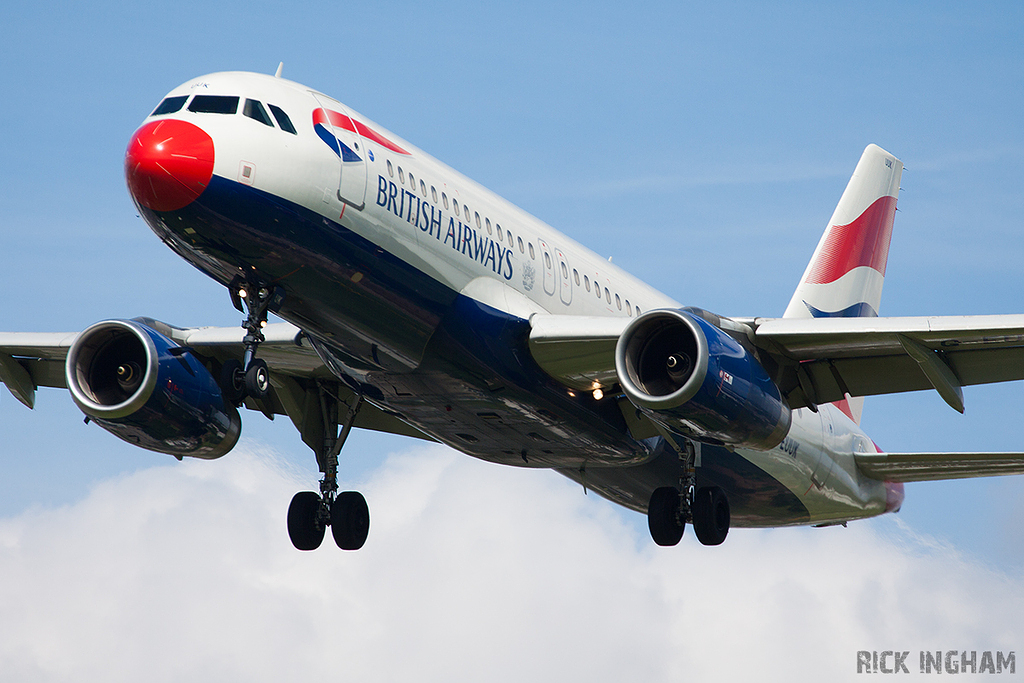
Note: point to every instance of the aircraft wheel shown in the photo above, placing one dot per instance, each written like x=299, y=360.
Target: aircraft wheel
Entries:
x=663, y=516
x=711, y=515
x=257, y=379
x=232, y=382
x=304, y=528
x=350, y=520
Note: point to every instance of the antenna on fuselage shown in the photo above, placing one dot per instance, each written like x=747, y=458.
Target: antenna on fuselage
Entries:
x=280, y=68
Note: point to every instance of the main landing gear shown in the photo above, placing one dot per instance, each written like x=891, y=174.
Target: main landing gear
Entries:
x=346, y=513
x=707, y=508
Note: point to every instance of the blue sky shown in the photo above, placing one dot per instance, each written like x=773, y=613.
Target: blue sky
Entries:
x=703, y=147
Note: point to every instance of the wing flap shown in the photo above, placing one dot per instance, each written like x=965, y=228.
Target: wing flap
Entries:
x=907, y=467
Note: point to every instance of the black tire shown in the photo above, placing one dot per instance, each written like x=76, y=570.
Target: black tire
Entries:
x=663, y=516
x=350, y=520
x=232, y=382
x=711, y=515
x=257, y=379
x=304, y=527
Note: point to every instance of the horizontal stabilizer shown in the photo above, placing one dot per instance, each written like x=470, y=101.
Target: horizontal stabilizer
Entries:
x=904, y=467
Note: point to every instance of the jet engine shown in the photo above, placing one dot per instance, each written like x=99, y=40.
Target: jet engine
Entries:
x=145, y=389
x=691, y=376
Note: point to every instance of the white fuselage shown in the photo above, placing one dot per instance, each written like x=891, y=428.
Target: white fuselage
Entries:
x=476, y=244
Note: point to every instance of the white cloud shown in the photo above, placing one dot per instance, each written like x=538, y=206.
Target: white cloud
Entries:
x=471, y=572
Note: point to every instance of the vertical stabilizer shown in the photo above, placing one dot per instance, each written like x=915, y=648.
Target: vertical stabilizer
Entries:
x=845, y=275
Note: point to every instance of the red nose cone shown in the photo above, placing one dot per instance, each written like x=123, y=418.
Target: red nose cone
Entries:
x=168, y=164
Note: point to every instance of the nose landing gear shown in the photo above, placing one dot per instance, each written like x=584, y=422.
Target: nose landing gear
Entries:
x=250, y=377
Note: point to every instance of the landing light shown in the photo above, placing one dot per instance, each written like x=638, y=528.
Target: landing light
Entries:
x=242, y=293
x=598, y=394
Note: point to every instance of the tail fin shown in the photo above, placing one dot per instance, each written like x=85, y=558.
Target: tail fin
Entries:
x=845, y=275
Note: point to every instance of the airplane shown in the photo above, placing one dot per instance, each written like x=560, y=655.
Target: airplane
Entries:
x=417, y=302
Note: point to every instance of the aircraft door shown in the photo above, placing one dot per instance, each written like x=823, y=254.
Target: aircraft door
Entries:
x=549, y=267
x=565, y=284
x=335, y=127
x=824, y=467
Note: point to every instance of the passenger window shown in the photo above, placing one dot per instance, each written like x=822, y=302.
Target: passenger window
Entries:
x=532, y=254
x=282, y=119
x=487, y=222
x=477, y=215
x=618, y=302
x=597, y=288
x=638, y=310
x=254, y=110
x=520, y=239
x=455, y=205
x=565, y=272
x=444, y=198
x=586, y=282
x=509, y=234
x=607, y=295
x=576, y=276
x=500, y=233
x=629, y=309
x=412, y=182
x=433, y=194
x=401, y=175
x=391, y=169
x=423, y=187
x=547, y=258
x=170, y=105
x=213, y=104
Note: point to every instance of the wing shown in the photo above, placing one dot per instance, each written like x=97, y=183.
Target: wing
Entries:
x=906, y=467
x=29, y=360
x=818, y=360
x=821, y=360
x=578, y=351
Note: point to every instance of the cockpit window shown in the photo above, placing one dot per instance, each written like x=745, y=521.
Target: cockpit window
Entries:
x=255, y=110
x=282, y=119
x=170, y=105
x=214, y=104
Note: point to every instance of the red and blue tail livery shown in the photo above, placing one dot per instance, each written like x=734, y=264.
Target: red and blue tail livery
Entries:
x=845, y=275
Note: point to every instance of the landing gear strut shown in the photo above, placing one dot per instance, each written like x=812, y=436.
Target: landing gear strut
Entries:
x=707, y=508
x=251, y=377
x=346, y=513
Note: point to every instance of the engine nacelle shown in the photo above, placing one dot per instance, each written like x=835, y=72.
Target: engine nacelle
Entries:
x=123, y=375
x=691, y=376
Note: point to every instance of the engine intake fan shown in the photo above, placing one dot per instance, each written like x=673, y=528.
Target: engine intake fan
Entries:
x=691, y=376
x=124, y=376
